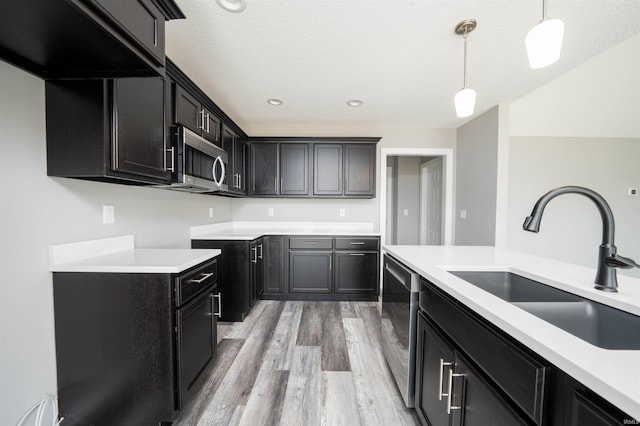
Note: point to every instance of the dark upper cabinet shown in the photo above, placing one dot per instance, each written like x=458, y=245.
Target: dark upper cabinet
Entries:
x=237, y=150
x=294, y=169
x=347, y=170
x=86, y=38
x=360, y=170
x=189, y=112
x=263, y=160
x=109, y=130
x=327, y=169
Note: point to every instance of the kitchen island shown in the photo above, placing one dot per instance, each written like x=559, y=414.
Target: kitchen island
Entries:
x=612, y=374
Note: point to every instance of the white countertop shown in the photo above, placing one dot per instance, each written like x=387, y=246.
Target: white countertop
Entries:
x=614, y=374
x=253, y=230
x=118, y=254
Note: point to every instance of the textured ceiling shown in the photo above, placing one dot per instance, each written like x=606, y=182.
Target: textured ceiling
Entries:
x=401, y=57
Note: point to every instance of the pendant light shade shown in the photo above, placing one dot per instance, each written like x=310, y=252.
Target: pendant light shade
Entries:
x=465, y=99
x=544, y=41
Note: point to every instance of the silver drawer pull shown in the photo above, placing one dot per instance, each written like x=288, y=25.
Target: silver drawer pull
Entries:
x=450, y=393
x=173, y=160
x=356, y=243
x=310, y=242
x=203, y=278
x=356, y=254
x=442, y=365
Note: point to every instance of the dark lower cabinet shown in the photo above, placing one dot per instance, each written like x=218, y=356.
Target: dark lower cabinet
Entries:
x=132, y=348
x=234, y=276
x=310, y=271
x=257, y=270
x=273, y=269
x=356, y=272
x=469, y=372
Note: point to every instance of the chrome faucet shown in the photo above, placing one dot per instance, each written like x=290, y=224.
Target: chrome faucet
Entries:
x=608, y=259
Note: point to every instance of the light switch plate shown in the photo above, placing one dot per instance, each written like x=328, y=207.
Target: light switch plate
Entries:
x=463, y=214
x=270, y=211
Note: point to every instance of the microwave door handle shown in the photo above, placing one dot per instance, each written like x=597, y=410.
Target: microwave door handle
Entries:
x=213, y=171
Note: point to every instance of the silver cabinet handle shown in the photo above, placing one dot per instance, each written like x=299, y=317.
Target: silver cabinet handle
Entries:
x=201, y=114
x=275, y=184
x=450, y=392
x=219, y=297
x=330, y=262
x=173, y=160
x=203, y=278
x=356, y=243
x=260, y=248
x=254, y=250
x=356, y=254
x=442, y=365
x=309, y=242
x=207, y=121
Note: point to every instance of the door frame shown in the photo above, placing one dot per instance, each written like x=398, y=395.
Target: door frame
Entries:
x=447, y=155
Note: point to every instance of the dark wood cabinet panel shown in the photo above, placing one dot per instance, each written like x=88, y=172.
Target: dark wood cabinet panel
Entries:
x=257, y=270
x=236, y=148
x=327, y=169
x=107, y=130
x=360, y=170
x=310, y=271
x=190, y=112
x=294, y=169
x=264, y=168
x=356, y=272
x=274, y=264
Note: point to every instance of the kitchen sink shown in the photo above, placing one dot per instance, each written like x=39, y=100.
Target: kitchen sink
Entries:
x=593, y=322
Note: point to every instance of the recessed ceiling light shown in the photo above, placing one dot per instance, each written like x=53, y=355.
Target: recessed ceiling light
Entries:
x=354, y=102
x=275, y=101
x=234, y=6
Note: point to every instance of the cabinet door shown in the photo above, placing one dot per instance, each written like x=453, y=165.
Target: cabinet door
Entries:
x=196, y=344
x=474, y=402
x=310, y=271
x=327, y=169
x=433, y=359
x=359, y=170
x=138, y=131
x=356, y=272
x=187, y=110
x=139, y=20
x=589, y=409
x=238, y=158
x=294, y=169
x=210, y=126
x=274, y=264
x=264, y=168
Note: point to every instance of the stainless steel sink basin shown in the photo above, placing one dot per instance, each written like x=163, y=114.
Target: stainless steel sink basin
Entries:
x=595, y=323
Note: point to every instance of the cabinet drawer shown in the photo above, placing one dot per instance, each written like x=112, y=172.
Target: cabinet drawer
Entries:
x=195, y=281
x=312, y=243
x=356, y=243
x=521, y=376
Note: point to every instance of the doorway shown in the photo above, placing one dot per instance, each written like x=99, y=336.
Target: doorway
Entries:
x=416, y=196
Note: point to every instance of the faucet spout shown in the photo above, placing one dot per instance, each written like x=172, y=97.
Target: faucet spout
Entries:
x=608, y=259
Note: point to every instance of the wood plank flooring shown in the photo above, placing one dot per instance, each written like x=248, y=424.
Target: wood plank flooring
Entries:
x=300, y=363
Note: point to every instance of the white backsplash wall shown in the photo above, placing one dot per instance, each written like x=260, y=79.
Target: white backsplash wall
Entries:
x=37, y=211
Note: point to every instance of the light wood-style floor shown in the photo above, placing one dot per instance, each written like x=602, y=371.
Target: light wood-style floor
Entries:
x=301, y=363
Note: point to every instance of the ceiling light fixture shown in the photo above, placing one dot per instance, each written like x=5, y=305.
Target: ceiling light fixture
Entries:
x=235, y=6
x=544, y=41
x=465, y=99
x=275, y=101
x=354, y=102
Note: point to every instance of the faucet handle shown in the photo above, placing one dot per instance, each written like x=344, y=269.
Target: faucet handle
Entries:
x=618, y=261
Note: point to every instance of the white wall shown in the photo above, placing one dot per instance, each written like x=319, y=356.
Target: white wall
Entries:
x=476, y=180
x=580, y=129
x=408, y=198
x=37, y=211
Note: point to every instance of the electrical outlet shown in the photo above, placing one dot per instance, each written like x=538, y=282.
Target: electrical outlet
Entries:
x=342, y=212
x=108, y=214
x=210, y=211
x=463, y=214
x=406, y=212
x=270, y=211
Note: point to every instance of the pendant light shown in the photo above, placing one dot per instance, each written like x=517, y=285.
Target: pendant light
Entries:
x=465, y=99
x=544, y=41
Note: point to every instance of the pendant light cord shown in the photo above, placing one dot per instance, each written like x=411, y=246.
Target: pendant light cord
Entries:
x=464, y=86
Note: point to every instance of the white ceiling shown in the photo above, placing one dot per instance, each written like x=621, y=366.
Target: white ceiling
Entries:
x=401, y=57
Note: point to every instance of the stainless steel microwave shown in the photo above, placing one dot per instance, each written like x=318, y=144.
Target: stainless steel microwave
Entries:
x=196, y=164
